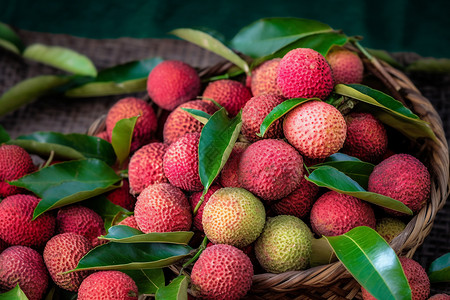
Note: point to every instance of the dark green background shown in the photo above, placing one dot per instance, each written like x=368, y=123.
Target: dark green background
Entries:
x=415, y=26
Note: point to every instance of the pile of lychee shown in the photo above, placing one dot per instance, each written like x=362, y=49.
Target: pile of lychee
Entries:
x=260, y=215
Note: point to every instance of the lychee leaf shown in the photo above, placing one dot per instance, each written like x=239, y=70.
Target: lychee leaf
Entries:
x=367, y=256
x=14, y=294
x=388, y=110
x=121, y=137
x=439, y=270
x=268, y=35
x=333, y=179
x=66, y=146
x=176, y=290
x=126, y=234
x=68, y=182
x=212, y=44
x=279, y=111
x=198, y=114
x=134, y=256
x=61, y=58
x=217, y=139
x=10, y=40
x=148, y=281
x=4, y=136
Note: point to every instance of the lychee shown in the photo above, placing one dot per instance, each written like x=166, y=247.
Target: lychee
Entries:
x=253, y=114
x=131, y=107
x=304, y=73
x=335, y=214
x=17, y=226
x=81, y=220
x=417, y=279
x=271, y=169
x=129, y=221
x=172, y=83
x=15, y=162
x=162, y=207
x=233, y=216
x=122, y=197
x=222, y=272
x=103, y=135
x=346, y=65
x=23, y=266
x=104, y=285
x=404, y=178
x=180, y=122
x=62, y=253
x=180, y=163
x=440, y=297
x=316, y=129
x=389, y=228
x=146, y=167
x=264, y=78
x=229, y=174
x=229, y=93
x=284, y=245
x=195, y=198
x=366, y=137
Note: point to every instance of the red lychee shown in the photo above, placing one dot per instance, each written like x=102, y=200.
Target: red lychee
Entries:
x=346, y=65
x=229, y=93
x=229, y=174
x=264, y=78
x=104, y=285
x=122, y=197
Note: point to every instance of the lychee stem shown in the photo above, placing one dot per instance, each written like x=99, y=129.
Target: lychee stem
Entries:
x=194, y=258
x=200, y=202
x=49, y=160
x=224, y=76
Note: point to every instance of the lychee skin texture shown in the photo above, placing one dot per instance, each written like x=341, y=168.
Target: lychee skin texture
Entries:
x=229, y=93
x=299, y=202
x=233, y=216
x=16, y=225
x=389, y=228
x=129, y=221
x=15, y=162
x=440, y=297
x=222, y=272
x=366, y=137
x=24, y=266
x=304, y=73
x=104, y=285
x=253, y=114
x=146, y=167
x=316, y=129
x=264, y=78
x=229, y=174
x=335, y=214
x=404, y=178
x=145, y=125
x=271, y=169
x=81, y=220
x=180, y=122
x=122, y=197
x=180, y=163
x=162, y=207
x=346, y=65
x=417, y=279
x=62, y=253
x=172, y=83
x=195, y=198
x=284, y=245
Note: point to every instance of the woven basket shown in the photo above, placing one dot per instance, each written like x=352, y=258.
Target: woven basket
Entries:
x=333, y=281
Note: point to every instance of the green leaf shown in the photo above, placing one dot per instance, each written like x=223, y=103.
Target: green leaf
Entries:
x=66, y=146
x=350, y=166
x=125, y=234
x=279, y=111
x=4, y=136
x=26, y=91
x=14, y=294
x=322, y=253
x=216, y=142
x=68, y=182
x=333, y=179
x=388, y=110
x=148, y=281
x=176, y=290
x=371, y=261
x=121, y=138
x=212, y=44
x=439, y=270
x=105, y=208
x=122, y=256
x=197, y=114
x=10, y=40
x=269, y=35
x=61, y=58
x=430, y=65
x=121, y=79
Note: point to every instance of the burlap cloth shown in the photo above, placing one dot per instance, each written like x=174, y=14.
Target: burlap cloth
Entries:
x=76, y=115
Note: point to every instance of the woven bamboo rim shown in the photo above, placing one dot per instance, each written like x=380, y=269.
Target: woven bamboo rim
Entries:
x=333, y=281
